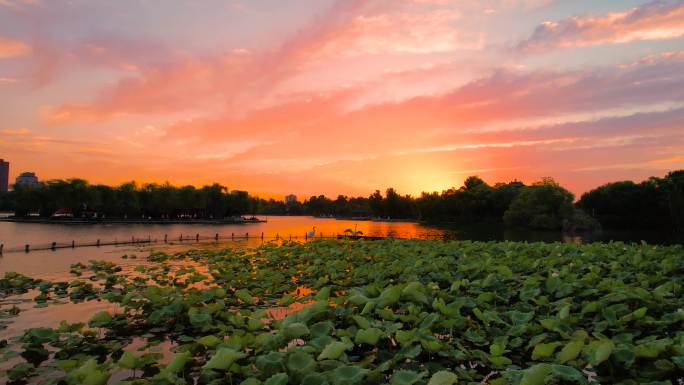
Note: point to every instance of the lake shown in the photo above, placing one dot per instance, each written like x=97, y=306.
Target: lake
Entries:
x=52, y=264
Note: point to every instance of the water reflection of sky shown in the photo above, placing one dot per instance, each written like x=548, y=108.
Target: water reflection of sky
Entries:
x=48, y=263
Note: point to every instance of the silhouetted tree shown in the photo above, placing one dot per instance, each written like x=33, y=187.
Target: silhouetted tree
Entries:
x=630, y=205
x=544, y=205
x=375, y=202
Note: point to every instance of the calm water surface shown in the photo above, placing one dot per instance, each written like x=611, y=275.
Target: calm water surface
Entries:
x=53, y=264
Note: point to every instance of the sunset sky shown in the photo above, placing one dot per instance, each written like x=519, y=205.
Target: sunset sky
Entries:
x=342, y=97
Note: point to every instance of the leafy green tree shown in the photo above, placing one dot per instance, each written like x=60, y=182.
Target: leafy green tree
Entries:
x=544, y=205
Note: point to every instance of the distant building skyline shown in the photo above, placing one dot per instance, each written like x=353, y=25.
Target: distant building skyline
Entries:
x=27, y=178
x=4, y=175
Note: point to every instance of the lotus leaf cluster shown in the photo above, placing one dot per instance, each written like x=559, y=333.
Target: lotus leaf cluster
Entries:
x=397, y=312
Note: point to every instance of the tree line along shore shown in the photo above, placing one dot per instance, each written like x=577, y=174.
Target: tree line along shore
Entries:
x=657, y=202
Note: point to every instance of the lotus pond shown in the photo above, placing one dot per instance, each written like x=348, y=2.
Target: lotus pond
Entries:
x=343, y=313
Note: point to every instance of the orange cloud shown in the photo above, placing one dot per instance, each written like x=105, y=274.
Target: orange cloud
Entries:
x=657, y=20
x=15, y=131
x=10, y=48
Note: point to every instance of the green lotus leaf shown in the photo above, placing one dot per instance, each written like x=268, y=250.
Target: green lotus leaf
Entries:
x=570, y=351
x=40, y=335
x=286, y=300
x=519, y=317
x=406, y=377
x=428, y=321
x=405, y=337
x=535, y=375
x=334, y=350
x=652, y=349
x=129, y=361
x=599, y=351
x=270, y=363
x=529, y=293
x=567, y=373
x=200, y=318
x=431, y=344
x=564, y=312
x=209, y=341
x=314, y=379
x=625, y=355
x=319, y=342
x=362, y=322
x=178, y=362
x=369, y=336
x=591, y=307
x=323, y=294
x=321, y=329
x=245, y=296
x=300, y=362
x=549, y=324
x=100, y=319
x=389, y=296
x=96, y=378
x=664, y=366
x=443, y=377
x=223, y=359
x=496, y=350
x=679, y=361
x=67, y=365
x=65, y=327
x=348, y=375
x=368, y=308
x=277, y=379
x=543, y=350
x=579, y=335
x=254, y=324
x=358, y=299
x=500, y=360
x=486, y=297
x=295, y=330
x=386, y=314
x=20, y=371
x=90, y=374
x=251, y=381
x=413, y=291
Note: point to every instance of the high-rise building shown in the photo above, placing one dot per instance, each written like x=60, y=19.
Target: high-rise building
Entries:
x=4, y=175
x=27, y=178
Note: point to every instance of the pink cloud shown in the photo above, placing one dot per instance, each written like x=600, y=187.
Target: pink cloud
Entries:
x=657, y=20
x=246, y=79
